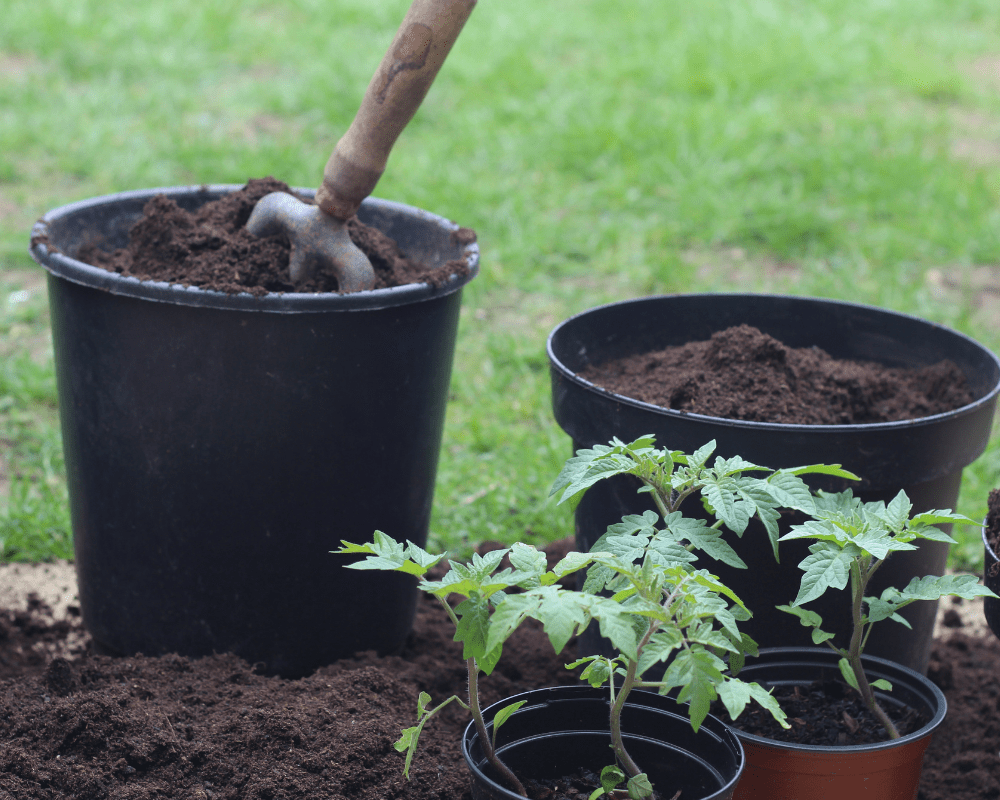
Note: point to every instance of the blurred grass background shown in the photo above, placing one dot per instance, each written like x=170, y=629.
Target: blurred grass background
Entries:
x=846, y=149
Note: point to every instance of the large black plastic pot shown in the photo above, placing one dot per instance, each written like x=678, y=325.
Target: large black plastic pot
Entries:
x=563, y=729
x=923, y=456
x=888, y=770
x=218, y=446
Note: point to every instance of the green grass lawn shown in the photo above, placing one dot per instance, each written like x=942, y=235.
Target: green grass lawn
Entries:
x=602, y=151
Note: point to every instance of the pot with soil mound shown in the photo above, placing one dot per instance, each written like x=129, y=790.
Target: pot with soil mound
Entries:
x=560, y=734
x=219, y=442
x=924, y=454
x=833, y=750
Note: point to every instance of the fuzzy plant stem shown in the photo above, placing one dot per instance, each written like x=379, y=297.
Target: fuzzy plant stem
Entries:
x=477, y=715
x=617, y=742
x=858, y=585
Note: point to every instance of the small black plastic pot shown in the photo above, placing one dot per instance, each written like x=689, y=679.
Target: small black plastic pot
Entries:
x=563, y=729
x=923, y=456
x=888, y=770
x=991, y=577
x=218, y=446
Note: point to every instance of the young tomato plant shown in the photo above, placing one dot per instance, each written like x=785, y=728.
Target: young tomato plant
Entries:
x=493, y=604
x=669, y=608
x=851, y=541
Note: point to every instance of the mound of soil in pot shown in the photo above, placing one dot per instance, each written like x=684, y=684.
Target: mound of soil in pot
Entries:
x=77, y=725
x=212, y=249
x=742, y=373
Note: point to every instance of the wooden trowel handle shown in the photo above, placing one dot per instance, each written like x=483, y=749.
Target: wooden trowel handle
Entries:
x=398, y=87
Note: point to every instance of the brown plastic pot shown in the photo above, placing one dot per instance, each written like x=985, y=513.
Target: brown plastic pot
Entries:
x=991, y=577
x=888, y=770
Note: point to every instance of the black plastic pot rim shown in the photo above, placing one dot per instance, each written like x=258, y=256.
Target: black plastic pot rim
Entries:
x=941, y=709
x=713, y=728
x=768, y=426
x=79, y=272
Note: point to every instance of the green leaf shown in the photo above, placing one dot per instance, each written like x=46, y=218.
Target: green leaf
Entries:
x=931, y=588
x=639, y=787
x=473, y=627
x=848, y=673
x=766, y=700
x=826, y=566
x=882, y=684
x=897, y=512
x=703, y=538
x=598, y=671
x=790, y=491
x=502, y=716
x=700, y=457
x=824, y=469
x=697, y=672
x=611, y=776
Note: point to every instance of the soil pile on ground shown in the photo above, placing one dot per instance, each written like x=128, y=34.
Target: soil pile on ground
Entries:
x=742, y=373
x=77, y=725
x=212, y=249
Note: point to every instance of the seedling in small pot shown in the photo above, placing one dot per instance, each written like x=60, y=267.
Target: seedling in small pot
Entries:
x=852, y=540
x=669, y=607
x=493, y=604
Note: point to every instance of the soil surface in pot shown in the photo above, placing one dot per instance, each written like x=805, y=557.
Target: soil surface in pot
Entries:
x=77, y=725
x=827, y=713
x=212, y=249
x=742, y=373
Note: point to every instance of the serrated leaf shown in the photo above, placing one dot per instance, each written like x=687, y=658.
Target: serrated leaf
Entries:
x=616, y=624
x=931, y=588
x=897, y=512
x=735, y=695
x=703, y=538
x=597, y=673
x=766, y=700
x=697, y=672
x=527, y=559
x=790, y=491
x=828, y=566
x=700, y=457
x=879, y=543
x=559, y=615
x=473, y=627
x=489, y=661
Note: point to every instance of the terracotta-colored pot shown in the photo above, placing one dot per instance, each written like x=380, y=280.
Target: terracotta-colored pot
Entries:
x=888, y=770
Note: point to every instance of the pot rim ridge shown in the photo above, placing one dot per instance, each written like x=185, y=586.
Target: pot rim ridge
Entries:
x=969, y=408
x=63, y=266
x=937, y=718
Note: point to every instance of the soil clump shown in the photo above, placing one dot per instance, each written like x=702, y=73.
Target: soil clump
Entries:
x=742, y=373
x=79, y=725
x=211, y=248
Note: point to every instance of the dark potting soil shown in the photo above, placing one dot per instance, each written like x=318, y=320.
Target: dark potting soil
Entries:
x=76, y=725
x=212, y=249
x=742, y=373
x=827, y=713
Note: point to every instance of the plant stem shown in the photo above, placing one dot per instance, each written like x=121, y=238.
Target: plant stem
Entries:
x=858, y=584
x=617, y=743
x=484, y=740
